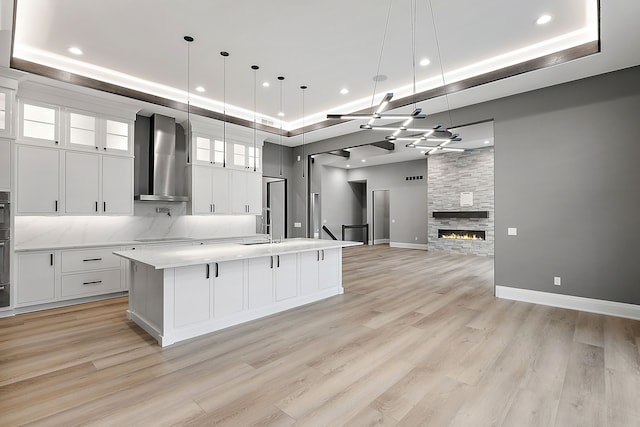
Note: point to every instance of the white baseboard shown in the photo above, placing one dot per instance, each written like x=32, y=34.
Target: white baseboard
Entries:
x=379, y=241
x=611, y=308
x=422, y=246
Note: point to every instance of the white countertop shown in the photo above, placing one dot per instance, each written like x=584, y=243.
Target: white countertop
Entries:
x=143, y=241
x=181, y=256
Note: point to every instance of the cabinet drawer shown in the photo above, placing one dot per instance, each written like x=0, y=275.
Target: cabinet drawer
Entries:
x=89, y=259
x=93, y=283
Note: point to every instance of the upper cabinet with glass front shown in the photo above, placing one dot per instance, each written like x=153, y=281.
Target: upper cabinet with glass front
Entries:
x=208, y=146
x=92, y=132
x=39, y=123
x=6, y=112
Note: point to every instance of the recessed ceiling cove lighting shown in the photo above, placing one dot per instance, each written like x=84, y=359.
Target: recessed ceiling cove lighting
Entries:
x=265, y=84
x=75, y=50
x=280, y=114
x=199, y=89
x=544, y=19
x=344, y=91
x=424, y=62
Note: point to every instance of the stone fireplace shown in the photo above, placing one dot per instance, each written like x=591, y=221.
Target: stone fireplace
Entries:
x=461, y=202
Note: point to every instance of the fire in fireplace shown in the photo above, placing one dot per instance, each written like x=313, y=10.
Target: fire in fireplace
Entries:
x=462, y=234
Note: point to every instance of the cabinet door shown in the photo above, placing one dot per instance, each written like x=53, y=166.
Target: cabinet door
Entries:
x=117, y=185
x=220, y=190
x=36, y=278
x=309, y=264
x=228, y=288
x=286, y=276
x=192, y=303
x=82, y=130
x=117, y=137
x=39, y=122
x=6, y=111
x=201, y=190
x=5, y=165
x=38, y=180
x=254, y=192
x=330, y=266
x=238, y=191
x=261, y=282
x=82, y=183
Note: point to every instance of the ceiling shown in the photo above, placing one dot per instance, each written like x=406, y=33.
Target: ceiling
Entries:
x=328, y=46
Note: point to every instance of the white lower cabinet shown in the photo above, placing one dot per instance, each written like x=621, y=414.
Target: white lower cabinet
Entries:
x=45, y=277
x=193, y=302
x=319, y=270
x=228, y=287
x=260, y=282
x=36, y=277
x=285, y=276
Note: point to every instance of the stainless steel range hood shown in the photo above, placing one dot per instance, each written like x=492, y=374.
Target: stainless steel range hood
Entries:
x=161, y=160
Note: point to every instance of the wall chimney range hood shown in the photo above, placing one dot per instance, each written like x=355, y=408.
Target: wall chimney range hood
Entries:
x=161, y=160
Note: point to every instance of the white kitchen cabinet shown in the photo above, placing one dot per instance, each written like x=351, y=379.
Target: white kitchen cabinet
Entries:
x=194, y=303
x=330, y=269
x=89, y=131
x=5, y=165
x=82, y=183
x=319, y=270
x=285, y=276
x=260, y=282
x=228, y=287
x=38, y=186
x=272, y=278
x=209, y=190
x=117, y=185
x=39, y=123
x=7, y=97
x=97, y=184
x=36, y=277
x=245, y=192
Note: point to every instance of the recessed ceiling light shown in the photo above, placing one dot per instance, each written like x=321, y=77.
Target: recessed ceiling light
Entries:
x=344, y=91
x=265, y=84
x=348, y=166
x=424, y=62
x=487, y=142
x=199, y=89
x=75, y=50
x=422, y=152
x=363, y=160
x=280, y=114
x=544, y=19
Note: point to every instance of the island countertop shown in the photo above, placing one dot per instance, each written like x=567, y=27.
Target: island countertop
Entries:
x=181, y=256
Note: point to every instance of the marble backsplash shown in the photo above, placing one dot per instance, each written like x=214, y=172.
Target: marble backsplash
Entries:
x=146, y=223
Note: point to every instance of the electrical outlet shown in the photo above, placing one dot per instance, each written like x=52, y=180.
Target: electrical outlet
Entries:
x=512, y=231
x=297, y=224
x=557, y=281
x=416, y=238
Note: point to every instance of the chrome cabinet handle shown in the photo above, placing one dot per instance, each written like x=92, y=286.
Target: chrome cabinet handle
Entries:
x=95, y=282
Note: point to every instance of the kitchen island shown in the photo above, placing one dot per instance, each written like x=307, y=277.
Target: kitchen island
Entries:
x=181, y=292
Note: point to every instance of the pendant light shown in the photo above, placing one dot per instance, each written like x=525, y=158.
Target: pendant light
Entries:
x=280, y=114
x=423, y=138
x=304, y=160
x=225, y=55
x=255, y=69
x=189, y=40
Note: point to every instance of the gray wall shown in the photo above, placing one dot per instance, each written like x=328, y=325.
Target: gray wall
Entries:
x=380, y=215
x=407, y=199
x=272, y=156
x=566, y=175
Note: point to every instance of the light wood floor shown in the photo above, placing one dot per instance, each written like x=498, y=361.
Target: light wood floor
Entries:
x=417, y=339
